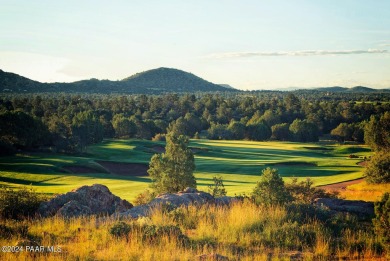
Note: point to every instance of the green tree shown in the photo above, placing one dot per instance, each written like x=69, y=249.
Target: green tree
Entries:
x=87, y=129
x=377, y=132
x=342, y=132
x=21, y=130
x=270, y=190
x=258, y=131
x=123, y=126
x=378, y=169
x=281, y=131
x=219, y=132
x=304, y=131
x=172, y=171
x=237, y=130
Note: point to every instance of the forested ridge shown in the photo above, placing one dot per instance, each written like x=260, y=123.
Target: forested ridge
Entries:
x=154, y=81
x=68, y=123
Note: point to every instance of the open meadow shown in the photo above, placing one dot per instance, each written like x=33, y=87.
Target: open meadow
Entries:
x=122, y=165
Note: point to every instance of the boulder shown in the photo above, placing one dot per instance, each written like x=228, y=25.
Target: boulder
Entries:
x=183, y=198
x=358, y=207
x=86, y=200
x=189, y=196
x=225, y=200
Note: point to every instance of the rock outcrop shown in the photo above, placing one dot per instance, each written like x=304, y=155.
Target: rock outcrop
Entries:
x=86, y=200
x=357, y=207
x=189, y=196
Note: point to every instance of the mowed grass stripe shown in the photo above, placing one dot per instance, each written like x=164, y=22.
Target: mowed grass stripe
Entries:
x=238, y=162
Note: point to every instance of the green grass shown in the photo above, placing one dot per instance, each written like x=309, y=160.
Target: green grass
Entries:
x=238, y=162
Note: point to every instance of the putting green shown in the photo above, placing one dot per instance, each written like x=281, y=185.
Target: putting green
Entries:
x=238, y=162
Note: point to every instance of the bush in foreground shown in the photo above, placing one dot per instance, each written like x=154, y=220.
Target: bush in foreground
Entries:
x=19, y=203
x=382, y=220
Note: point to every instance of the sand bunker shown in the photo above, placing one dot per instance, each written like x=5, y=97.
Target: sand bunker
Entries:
x=125, y=169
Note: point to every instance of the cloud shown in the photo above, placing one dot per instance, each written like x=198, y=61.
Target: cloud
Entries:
x=295, y=53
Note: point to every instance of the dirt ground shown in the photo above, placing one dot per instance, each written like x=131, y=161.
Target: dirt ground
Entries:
x=342, y=186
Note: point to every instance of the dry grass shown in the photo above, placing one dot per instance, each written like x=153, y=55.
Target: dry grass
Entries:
x=365, y=191
x=242, y=232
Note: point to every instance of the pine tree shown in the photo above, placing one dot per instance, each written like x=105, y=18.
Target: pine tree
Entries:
x=172, y=171
x=270, y=190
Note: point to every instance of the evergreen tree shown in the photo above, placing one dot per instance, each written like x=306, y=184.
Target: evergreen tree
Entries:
x=270, y=190
x=172, y=171
x=377, y=132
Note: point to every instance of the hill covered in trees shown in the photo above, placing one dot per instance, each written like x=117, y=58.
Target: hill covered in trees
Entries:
x=154, y=81
x=353, y=89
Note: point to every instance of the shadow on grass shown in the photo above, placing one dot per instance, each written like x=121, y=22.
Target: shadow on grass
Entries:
x=28, y=182
x=224, y=180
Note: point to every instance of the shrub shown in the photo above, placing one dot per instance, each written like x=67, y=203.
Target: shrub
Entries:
x=217, y=189
x=304, y=213
x=184, y=218
x=19, y=203
x=144, y=197
x=378, y=169
x=382, y=220
x=120, y=229
x=153, y=233
x=7, y=232
x=304, y=192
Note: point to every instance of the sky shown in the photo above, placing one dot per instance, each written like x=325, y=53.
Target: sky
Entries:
x=249, y=44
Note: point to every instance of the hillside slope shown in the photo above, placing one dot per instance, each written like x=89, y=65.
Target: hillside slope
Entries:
x=150, y=82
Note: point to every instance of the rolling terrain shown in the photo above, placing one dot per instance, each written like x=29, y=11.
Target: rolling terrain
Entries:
x=122, y=165
x=154, y=81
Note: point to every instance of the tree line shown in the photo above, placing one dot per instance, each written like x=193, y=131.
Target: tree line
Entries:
x=69, y=123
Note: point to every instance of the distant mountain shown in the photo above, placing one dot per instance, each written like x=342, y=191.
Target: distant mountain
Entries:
x=227, y=86
x=353, y=89
x=168, y=79
x=332, y=89
x=153, y=81
x=16, y=83
x=360, y=89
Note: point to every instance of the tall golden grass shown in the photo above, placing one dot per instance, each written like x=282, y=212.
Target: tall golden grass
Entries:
x=243, y=231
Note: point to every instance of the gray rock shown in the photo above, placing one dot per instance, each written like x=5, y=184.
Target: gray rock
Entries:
x=189, y=190
x=225, y=200
x=189, y=196
x=86, y=200
x=183, y=199
x=358, y=207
